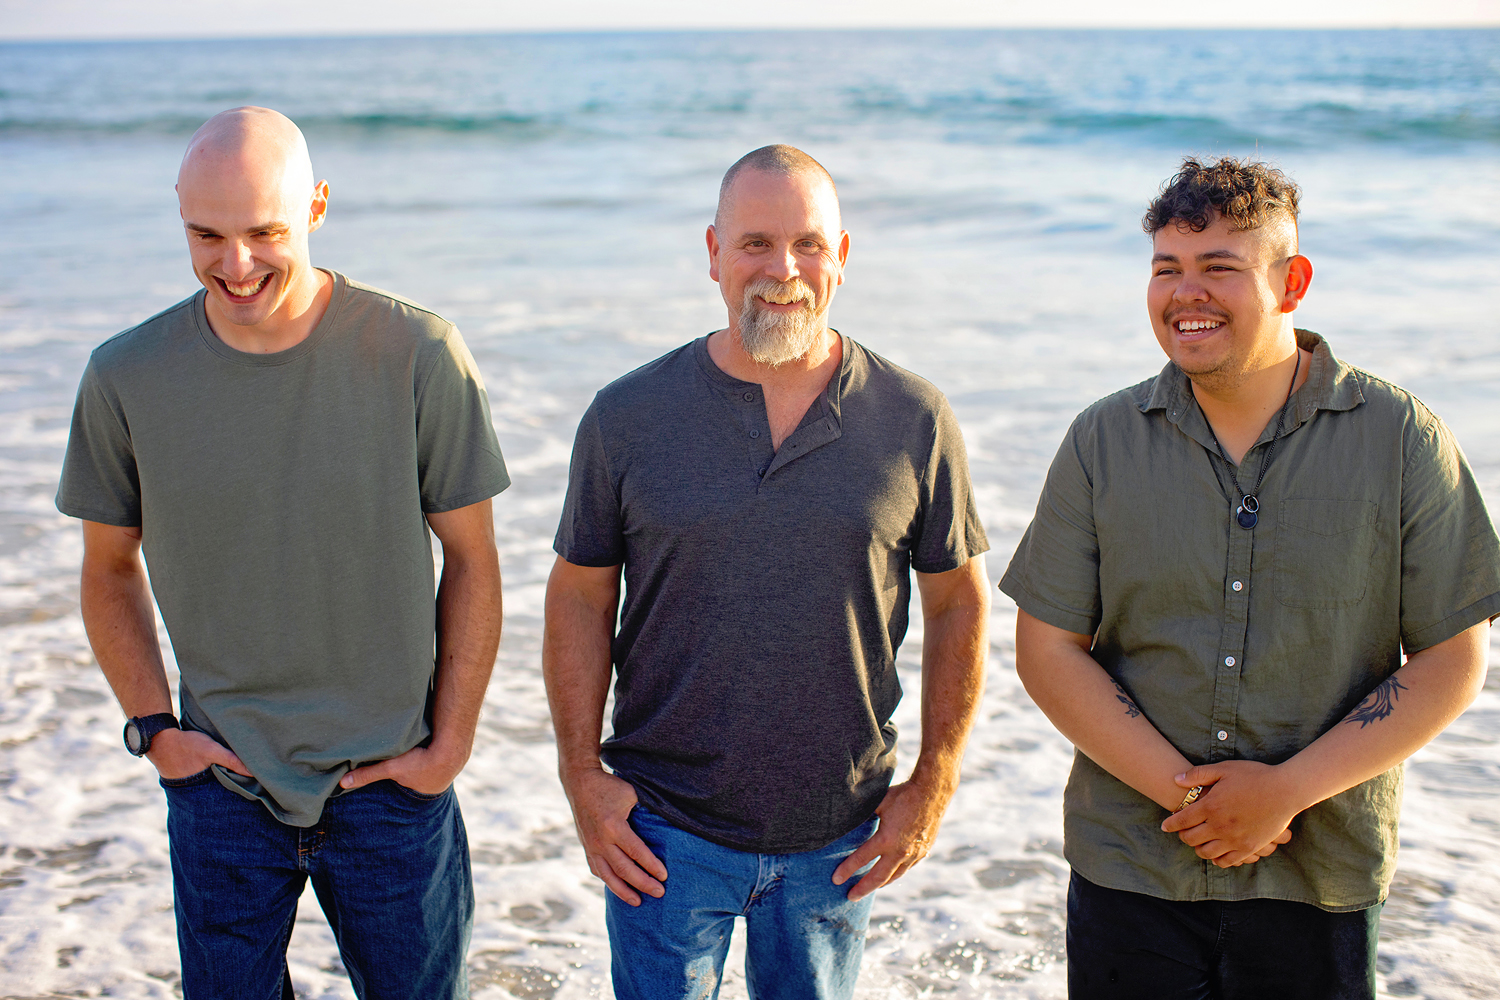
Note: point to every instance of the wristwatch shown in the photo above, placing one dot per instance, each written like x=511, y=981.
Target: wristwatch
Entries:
x=140, y=731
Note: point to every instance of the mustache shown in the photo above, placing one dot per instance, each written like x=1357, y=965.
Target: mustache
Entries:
x=783, y=292
x=1172, y=316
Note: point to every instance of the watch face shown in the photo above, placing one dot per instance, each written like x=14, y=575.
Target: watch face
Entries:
x=133, y=738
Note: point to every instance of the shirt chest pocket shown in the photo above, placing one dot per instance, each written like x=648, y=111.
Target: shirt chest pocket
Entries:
x=1323, y=552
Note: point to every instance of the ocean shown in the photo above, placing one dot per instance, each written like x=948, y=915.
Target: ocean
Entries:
x=549, y=193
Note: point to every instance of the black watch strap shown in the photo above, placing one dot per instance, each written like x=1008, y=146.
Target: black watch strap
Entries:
x=140, y=731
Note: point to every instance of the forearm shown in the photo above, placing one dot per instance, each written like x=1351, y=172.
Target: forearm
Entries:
x=1399, y=717
x=1094, y=713
x=121, y=626
x=576, y=666
x=469, y=616
x=955, y=644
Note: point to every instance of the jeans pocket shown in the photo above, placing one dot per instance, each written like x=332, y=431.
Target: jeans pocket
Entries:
x=1323, y=552
x=417, y=796
x=205, y=775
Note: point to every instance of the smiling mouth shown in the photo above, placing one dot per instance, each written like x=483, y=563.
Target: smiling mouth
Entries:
x=1197, y=325
x=248, y=291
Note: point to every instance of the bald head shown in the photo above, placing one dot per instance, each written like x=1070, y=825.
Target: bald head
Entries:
x=259, y=145
x=777, y=160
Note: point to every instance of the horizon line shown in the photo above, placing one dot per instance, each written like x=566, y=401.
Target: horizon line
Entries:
x=45, y=39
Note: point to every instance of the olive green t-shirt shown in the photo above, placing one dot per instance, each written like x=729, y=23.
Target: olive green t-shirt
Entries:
x=1250, y=644
x=281, y=499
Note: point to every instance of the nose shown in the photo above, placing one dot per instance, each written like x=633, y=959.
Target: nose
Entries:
x=782, y=266
x=1190, y=288
x=238, y=261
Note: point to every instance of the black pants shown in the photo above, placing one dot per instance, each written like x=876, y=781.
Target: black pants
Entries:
x=1129, y=946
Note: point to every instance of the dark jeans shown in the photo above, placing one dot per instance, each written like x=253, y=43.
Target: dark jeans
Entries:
x=1126, y=945
x=390, y=867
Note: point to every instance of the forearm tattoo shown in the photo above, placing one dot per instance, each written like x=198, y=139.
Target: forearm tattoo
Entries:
x=1131, y=708
x=1378, y=703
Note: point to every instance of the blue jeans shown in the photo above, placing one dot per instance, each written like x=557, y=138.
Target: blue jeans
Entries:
x=804, y=938
x=390, y=867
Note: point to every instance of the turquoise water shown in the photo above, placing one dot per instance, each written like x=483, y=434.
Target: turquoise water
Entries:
x=550, y=193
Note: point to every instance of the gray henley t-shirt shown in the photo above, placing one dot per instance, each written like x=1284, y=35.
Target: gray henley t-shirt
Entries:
x=281, y=499
x=766, y=592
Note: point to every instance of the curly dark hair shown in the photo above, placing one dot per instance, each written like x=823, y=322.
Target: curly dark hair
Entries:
x=1247, y=193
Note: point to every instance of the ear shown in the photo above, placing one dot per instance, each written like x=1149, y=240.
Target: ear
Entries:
x=712, y=238
x=843, y=252
x=318, y=210
x=1299, y=273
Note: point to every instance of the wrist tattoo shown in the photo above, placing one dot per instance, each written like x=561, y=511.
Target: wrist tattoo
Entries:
x=1379, y=703
x=1131, y=708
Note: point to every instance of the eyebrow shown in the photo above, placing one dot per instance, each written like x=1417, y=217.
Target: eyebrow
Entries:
x=267, y=227
x=809, y=235
x=1168, y=258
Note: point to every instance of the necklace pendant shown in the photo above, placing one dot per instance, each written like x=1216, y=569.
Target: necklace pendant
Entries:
x=1246, y=514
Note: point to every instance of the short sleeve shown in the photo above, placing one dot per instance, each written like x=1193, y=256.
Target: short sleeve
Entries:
x=949, y=534
x=1054, y=575
x=458, y=457
x=100, y=481
x=591, y=532
x=1450, y=556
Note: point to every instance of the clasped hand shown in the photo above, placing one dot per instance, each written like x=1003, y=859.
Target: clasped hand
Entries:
x=1242, y=816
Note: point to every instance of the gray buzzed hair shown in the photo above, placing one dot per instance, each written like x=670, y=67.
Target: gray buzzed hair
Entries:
x=774, y=159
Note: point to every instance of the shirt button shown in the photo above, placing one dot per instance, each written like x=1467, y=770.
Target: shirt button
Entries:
x=1228, y=661
x=1222, y=736
x=1236, y=586
x=755, y=434
x=749, y=397
x=761, y=472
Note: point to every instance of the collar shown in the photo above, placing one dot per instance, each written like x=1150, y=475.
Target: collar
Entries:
x=1330, y=385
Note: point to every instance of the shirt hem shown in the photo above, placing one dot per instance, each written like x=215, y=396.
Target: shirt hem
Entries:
x=464, y=500
x=1034, y=606
x=98, y=516
x=1484, y=609
x=1197, y=897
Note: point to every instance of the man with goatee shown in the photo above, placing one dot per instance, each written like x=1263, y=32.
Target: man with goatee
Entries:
x=767, y=491
x=279, y=445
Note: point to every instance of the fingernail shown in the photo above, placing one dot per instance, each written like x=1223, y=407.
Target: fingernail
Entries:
x=1180, y=776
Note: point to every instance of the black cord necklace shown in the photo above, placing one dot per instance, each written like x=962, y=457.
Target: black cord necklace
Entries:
x=1247, y=513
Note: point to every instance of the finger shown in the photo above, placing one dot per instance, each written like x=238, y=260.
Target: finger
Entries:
x=862, y=855
x=1236, y=858
x=876, y=877
x=1196, y=836
x=1284, y=837
x=613, y=882
x=1203, y=774
x=1215, y=849
x=628, y=871
x=361, y=776
x=635, y=848
x=226, y=758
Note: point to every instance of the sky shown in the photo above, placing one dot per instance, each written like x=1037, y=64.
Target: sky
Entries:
x=81, y=19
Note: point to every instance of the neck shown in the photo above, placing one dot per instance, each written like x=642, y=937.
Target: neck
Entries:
x=1240, y=412
x=292, y=322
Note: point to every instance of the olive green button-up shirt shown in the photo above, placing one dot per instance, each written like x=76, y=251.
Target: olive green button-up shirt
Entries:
x=1250, y=644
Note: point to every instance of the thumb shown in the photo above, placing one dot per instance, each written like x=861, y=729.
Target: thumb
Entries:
x=361, y=776
x=226, y=757
x=1203, y=774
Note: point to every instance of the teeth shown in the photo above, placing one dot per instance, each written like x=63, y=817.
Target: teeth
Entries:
x=244, y=291
x=1194, y=325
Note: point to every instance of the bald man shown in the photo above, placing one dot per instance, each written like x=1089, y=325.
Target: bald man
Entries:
x=767, y=491
x=279, y=446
